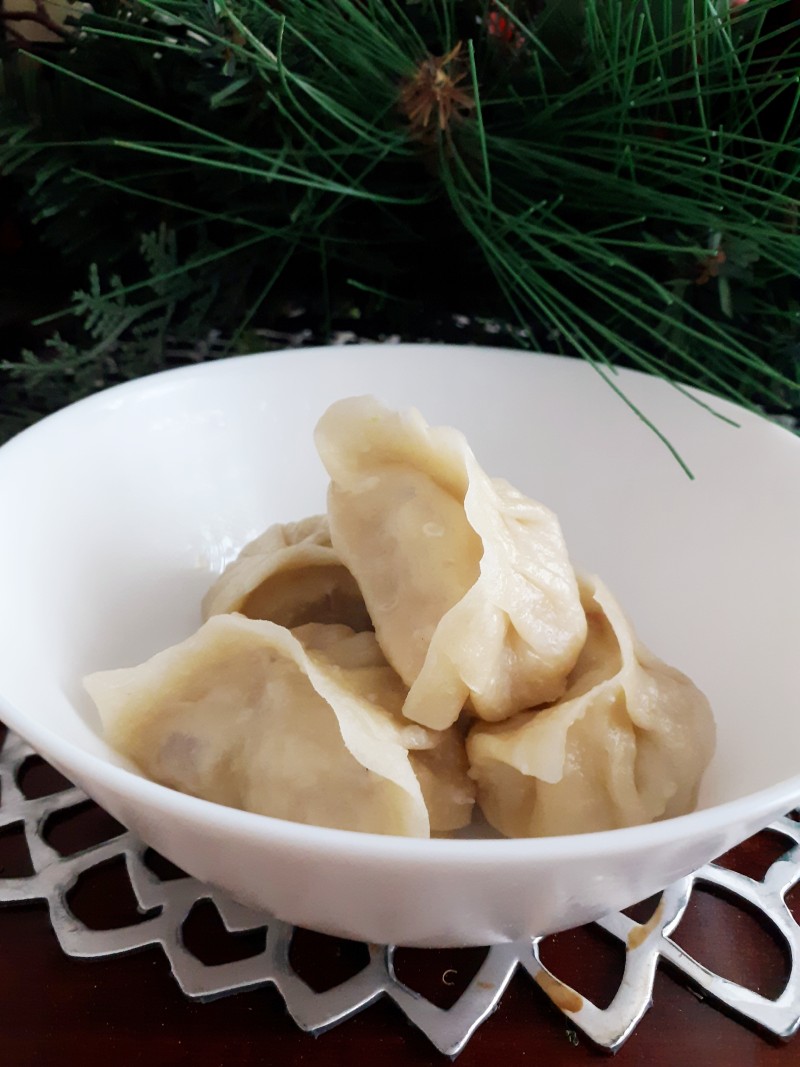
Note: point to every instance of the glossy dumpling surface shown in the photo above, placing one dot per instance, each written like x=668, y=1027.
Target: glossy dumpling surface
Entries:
x=627, y=744
x=468, y=583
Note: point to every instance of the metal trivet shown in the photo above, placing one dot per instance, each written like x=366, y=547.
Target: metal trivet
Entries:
x=449, y=1030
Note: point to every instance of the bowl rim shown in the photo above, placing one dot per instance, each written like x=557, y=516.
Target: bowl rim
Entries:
x=716, y=405
x=766, y=803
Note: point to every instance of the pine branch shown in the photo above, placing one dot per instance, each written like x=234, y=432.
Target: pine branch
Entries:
x=622, y=179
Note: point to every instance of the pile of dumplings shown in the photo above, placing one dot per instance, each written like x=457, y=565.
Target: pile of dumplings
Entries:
x=425, y=645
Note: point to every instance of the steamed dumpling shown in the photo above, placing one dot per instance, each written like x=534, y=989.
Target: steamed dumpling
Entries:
x=301, y=726
x=443, y=774
x=439, y=758
x=467, y=582
x=627, y=744
x=291, y=576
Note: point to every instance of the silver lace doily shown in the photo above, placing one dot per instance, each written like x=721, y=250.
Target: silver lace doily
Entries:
x=448, y=1029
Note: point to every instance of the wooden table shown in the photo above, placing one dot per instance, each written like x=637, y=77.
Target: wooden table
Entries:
x=128, y=1010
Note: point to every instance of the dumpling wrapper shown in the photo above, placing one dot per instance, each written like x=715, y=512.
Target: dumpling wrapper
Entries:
x=290, y=575
x=439, y=758
x=301, y=726
x=467, y=582
x=626, y=745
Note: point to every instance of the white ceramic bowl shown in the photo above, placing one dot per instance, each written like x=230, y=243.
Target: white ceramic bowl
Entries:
x=117, y=512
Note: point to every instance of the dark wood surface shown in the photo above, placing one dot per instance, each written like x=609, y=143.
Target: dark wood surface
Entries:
x=128, y=1010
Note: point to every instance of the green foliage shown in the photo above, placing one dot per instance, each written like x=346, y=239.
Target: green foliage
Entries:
x=625, y=183
x=126, y=331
